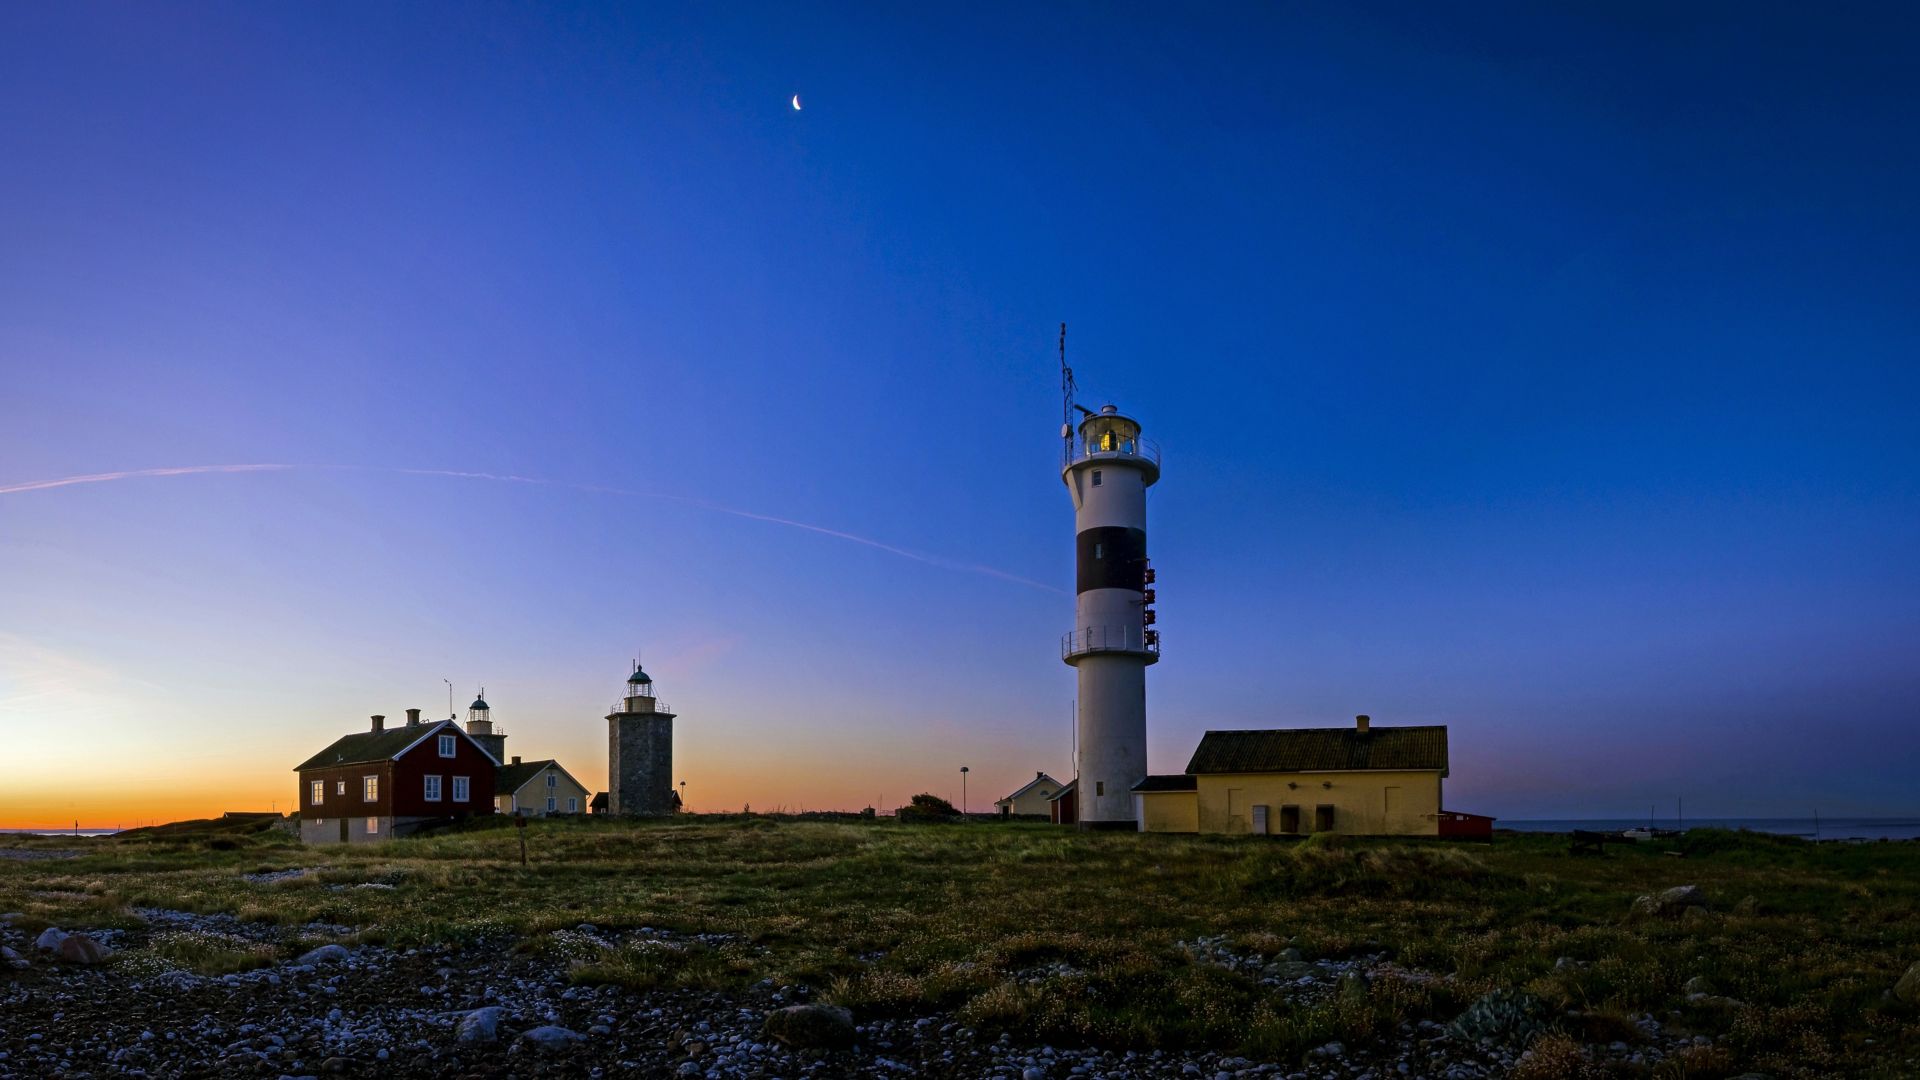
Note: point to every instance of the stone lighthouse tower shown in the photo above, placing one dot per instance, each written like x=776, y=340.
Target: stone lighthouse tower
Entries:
x=640, y=751
x=1108, y=469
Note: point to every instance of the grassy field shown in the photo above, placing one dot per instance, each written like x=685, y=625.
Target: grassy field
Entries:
x=1069, y=937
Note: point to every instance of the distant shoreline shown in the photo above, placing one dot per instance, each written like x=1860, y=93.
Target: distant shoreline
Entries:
x=1824, y=828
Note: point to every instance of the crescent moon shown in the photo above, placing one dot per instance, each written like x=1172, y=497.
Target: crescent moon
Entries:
x=796, y=103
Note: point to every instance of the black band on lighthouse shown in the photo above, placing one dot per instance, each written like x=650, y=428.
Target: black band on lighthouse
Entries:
x=1111, y=557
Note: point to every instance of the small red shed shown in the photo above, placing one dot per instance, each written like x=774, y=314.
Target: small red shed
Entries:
x=1460, y=825
x=1063, y=807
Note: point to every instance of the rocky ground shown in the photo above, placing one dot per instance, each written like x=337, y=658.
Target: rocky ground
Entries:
x=489, y=1010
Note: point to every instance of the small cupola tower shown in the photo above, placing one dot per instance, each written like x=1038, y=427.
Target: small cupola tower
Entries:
x=640, y=750
x=480, y=726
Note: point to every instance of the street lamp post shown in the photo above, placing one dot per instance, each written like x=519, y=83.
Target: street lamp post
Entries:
x=683, y=796
x=963, y=791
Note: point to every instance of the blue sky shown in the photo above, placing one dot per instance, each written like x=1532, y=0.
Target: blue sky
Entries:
x=1548, y=374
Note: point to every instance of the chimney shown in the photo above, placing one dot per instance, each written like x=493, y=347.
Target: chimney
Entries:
x=413, y=717
x=379, y=724
x=516, y=759
x=1361, y=723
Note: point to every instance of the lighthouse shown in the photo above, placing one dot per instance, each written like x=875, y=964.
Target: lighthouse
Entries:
x=1108, y=469
x=640, y=750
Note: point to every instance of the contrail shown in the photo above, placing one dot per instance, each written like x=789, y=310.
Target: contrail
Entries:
x=508, y=478
x=101, y=478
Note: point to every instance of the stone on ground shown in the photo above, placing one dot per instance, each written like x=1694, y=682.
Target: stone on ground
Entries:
x=81, y=949
x=812, y=1027
x=480, y=1026
x=324, y=954
x=1670, y=903
x=551, y=1037
x=50, y=939
x=1908, y=988
x=12, y=959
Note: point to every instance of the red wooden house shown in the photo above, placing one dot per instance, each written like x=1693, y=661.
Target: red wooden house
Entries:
x=386, y=782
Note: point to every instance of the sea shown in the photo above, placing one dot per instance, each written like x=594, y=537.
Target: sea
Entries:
x=59, y=832
x=1824, y=828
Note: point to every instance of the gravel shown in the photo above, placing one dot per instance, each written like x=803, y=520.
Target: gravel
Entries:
x=486, y=1009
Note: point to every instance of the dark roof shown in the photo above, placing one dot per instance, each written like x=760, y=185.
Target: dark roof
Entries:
x=1321, y=750
x=480, y=703
x=599, y=802
x=510, y=778
x=638, y=676
x=370, y=745
x=1184, y=782
x=1069, y=788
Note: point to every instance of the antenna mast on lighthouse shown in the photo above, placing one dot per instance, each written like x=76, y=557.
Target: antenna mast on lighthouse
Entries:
x=1066, y=400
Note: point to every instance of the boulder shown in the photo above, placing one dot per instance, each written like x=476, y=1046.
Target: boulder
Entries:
x=551, y=1037
x=1670, y=903
x=50, y=939
x=12, y=959
x=812, y=1027
x=1699, y=984
x=325, y=954
x=480, y=1026
x=1505, y=1016
x=1908, y=988
x=81, y=949
x=1353, y=986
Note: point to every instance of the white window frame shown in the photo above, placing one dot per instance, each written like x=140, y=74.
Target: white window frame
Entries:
x=462, y=789
x=370, y=789
x=373, y=826
x=449, y=746
x=553, y=779
x=573, y=804
x=552, y=804
x=432, y=786
x=340, y=787
x=318, y=790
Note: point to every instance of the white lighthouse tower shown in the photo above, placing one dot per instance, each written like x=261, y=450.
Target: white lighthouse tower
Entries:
x=1108, y=469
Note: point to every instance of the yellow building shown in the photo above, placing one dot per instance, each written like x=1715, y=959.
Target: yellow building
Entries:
x=1361, y=780
x=1032, y=799
x=538, y=788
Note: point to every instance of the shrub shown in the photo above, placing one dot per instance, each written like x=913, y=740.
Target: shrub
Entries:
x=927, y=807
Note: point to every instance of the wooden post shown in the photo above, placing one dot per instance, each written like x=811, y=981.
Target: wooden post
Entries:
x=520, y=826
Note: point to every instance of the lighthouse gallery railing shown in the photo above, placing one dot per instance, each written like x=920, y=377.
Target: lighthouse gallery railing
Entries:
x=1094, y=639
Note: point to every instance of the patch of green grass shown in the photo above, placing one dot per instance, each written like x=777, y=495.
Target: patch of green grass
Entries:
x=207, y=953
